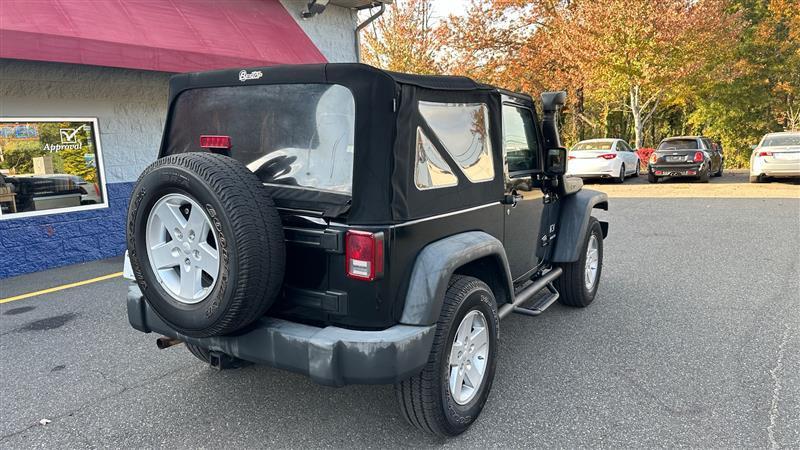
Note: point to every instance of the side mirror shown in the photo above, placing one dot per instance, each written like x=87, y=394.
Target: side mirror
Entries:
x=555, y=163
x=552, y=102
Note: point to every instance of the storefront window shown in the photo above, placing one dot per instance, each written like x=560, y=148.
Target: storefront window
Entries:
x=50, y=166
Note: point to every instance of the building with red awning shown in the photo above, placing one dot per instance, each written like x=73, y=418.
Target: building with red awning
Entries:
x=83, y=97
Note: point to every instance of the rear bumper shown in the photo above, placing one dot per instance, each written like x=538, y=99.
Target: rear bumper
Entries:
x=331, y=355
x=775, y=168
x=593, y=168
x=676, y=170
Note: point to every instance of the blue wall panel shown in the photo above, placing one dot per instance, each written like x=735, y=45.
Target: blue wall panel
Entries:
x=37, y=243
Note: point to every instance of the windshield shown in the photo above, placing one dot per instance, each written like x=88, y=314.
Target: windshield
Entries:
x=781, y=140
x=679, y=144
x=593, y=145
x=293, y=134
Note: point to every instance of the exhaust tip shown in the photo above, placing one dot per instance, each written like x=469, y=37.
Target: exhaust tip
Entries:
x=166, y=342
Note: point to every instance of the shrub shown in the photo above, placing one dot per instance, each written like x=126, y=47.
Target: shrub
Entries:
x=644, y=156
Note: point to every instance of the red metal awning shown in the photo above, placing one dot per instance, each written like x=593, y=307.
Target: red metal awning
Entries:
x=164, y=35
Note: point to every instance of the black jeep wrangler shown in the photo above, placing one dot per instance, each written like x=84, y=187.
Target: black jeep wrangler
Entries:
x=358, y=226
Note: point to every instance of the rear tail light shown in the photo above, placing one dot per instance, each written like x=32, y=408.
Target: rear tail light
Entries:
x=659, y=172
x=364, y=255
x=213, y=141
x=653, y=158
x=764, y=153
x=570, y=157
x=608, y=156
x=698, y=157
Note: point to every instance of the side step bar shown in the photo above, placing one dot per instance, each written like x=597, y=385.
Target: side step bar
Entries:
x=526, y=294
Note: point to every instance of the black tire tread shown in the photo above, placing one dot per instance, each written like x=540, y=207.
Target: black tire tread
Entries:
x=258, y=235
x=418, y=395
x=199, y=353
x=570, y=284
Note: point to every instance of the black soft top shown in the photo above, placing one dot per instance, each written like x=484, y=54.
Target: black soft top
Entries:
x=385, y=137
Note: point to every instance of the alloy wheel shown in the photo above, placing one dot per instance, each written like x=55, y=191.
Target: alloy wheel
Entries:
x=182, y=248
x=592, y=262
x=469, y=356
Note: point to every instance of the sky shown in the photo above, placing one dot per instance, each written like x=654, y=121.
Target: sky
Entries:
x=443, y=8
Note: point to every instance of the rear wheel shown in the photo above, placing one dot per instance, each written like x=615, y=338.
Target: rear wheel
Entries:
x=652, y=178
x=703, y=178
x=757, y=179
x=578, y=284
x=449, y=393
x=621, y=177
x=199, y=352
x=638, y=169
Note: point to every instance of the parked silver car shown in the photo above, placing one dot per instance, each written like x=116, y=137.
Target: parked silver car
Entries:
x=777, y=155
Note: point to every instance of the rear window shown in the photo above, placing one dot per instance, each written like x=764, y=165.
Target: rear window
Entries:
x=679, y=144
x=599, y=145
x=293, y=134
x=781, y=140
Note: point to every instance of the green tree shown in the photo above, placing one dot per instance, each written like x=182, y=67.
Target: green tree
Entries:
x=18, y=155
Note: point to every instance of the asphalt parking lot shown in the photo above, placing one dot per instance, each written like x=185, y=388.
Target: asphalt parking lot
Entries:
x=693, y=340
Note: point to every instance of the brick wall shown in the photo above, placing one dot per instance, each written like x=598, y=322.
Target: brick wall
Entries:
x=30, y=244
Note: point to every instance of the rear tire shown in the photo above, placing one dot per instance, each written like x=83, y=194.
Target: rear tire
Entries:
x=704, y=177
x=573, y=285
x=621, y=178
x=199, y=352
x=757, y=179
x=652, y=178
x=205, y=242
x=638, y=169
x=427, y=400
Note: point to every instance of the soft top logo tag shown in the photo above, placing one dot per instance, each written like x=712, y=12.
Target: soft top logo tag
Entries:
x=254, y=75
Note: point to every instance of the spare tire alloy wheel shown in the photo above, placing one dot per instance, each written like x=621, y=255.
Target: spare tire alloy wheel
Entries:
x=182, y=248
x=205, y=242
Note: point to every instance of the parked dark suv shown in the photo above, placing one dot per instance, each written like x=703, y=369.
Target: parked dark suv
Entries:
x=686, y=156
x=358, y=226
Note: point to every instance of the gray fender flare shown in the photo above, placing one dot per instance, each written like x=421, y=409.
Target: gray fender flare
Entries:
x=573, y=221
x=436, y=264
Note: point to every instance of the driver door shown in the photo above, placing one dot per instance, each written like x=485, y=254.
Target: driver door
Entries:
x=524, y=203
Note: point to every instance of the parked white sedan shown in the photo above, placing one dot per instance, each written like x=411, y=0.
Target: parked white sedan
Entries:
x=777, y=155
x=603, y=158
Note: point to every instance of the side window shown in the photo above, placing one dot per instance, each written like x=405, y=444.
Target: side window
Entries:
x=520, y=147
x=463, y=129
x=431, y=169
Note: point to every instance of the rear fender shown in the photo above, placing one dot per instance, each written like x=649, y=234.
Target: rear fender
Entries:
x=573, y=223
x=437, y=263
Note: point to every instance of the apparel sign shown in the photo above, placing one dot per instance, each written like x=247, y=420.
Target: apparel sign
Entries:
x=50, y=165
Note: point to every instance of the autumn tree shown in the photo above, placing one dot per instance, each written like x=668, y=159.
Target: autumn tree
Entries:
x=404, y=39
x=646, y=50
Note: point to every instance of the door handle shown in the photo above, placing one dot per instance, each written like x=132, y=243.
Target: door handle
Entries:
x=512, y=199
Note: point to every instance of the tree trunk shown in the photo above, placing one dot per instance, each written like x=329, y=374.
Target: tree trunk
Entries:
x=636, y=112
x=579, y=107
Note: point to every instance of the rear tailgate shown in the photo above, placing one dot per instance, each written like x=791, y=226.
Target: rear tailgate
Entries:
x=316, y=287
x=676, y=157
x=788, y=153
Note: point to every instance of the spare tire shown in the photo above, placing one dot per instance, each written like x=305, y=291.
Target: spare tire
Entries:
x=205, y=243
